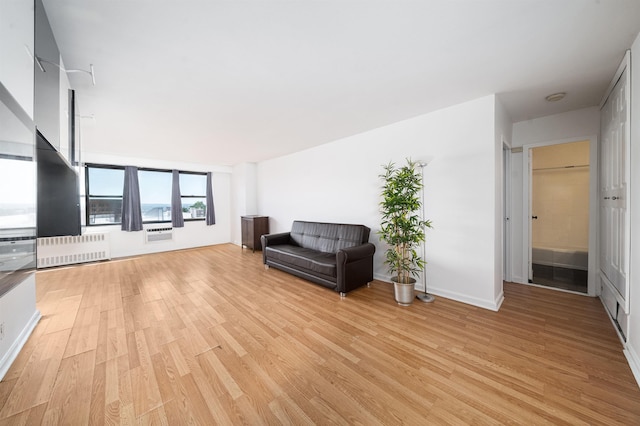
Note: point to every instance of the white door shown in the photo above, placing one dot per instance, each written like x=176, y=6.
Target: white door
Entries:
x=614, y=190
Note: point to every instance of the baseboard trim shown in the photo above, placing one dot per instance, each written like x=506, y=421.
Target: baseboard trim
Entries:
x=17, y=345
x=634, y=361
x=492, y=305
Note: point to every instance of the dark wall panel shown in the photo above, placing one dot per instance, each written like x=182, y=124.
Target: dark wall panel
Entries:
x=58, y=193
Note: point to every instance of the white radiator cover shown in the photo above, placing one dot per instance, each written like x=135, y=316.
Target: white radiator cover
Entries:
x=156, y=235
x=68, y=250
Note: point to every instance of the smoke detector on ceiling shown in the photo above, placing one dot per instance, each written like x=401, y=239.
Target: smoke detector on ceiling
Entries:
x=555, y=97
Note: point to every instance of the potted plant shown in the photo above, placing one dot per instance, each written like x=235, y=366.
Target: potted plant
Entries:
x=402, y=226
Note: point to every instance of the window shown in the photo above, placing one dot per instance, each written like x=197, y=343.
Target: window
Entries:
x=104, y=184
x=104, y=194
x=193, y=190
x=155, y=195
x=17, y=193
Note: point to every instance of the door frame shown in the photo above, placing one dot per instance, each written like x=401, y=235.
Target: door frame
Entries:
x=506, y=210
x=593, y=206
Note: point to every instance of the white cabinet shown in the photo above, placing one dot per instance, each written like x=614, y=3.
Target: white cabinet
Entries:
x=16, y=46
x=18, y=318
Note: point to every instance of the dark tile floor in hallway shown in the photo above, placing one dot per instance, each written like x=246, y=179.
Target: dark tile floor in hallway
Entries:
x=563, y=278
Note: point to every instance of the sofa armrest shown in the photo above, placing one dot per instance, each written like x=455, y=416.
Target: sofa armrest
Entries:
x=352, y=254
x=354, y=267
x=273, y=240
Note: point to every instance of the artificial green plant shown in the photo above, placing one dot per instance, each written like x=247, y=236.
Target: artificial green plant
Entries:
x=402, y=226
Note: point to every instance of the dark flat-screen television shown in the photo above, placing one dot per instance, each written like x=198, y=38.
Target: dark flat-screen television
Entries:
x=58, y=212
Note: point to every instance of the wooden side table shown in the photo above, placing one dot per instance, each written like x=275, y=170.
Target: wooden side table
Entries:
x=253, y=227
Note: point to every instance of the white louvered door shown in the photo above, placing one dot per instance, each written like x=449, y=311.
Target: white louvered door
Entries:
x=614, y=193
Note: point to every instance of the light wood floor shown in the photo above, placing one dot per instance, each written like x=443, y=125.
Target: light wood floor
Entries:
x=207, y=336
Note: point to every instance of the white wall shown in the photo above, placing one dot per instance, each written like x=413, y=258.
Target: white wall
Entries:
x=243, y=196
x=64, y=115
x=194, y=234
x=561, y=196
x=568, y=125
x=581, y=124
x=633, y=340
x=338, y=182
x=503, y=134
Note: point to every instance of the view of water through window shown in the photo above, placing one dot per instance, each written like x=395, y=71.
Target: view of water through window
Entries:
x=17, y=197
x=105, y=195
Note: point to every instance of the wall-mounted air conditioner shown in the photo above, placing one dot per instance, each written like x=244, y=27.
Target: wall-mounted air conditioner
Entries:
x=156, y=235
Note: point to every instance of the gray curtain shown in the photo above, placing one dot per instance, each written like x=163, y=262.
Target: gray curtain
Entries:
x=211, y=214
x=131, y=210
x=177, y=220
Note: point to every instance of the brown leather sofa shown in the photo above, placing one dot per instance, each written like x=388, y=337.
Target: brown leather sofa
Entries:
x=337, y=256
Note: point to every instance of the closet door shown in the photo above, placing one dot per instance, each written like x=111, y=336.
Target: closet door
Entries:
x=614, y=191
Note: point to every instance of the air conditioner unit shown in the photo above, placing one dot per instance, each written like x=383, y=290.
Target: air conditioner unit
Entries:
x=156, y=235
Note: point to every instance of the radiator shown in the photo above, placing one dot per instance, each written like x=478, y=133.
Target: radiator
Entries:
x=58, y=251
x=155, y=235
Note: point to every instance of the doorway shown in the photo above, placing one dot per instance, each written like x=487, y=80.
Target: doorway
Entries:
x=506, y=211
x=559, y=223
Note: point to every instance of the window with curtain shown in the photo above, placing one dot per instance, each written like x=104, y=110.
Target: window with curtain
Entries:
x=104, y=194
x=103, y=199
x=155, y=195
x=193, y=195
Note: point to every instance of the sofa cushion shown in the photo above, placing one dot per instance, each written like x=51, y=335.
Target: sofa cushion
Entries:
x=328, y=237
x=304, y=258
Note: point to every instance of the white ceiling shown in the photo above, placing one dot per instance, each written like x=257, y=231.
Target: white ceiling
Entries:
x=226, y=82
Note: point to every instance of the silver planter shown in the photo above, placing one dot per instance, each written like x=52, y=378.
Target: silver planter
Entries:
x=404, y=292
